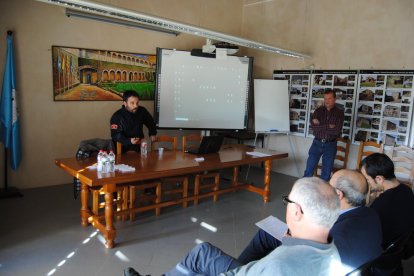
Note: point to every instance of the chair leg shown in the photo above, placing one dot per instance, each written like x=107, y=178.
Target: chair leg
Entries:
x=216, y=186
x=95, y=202
x=131, y=203
x=196, y=189
x=158, y=198
x=124, y=202
x=185, y=192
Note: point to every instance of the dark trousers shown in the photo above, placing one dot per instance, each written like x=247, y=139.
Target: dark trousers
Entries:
x=328, y=152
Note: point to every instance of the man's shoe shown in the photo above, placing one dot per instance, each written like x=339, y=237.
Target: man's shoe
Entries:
x=129, y=271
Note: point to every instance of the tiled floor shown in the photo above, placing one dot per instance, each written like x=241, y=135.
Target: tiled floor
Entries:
x=40, y=234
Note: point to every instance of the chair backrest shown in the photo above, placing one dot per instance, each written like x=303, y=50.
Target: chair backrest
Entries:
x=403, y=159
x=163, y=140
x=193, y=139
x=389, y=262
x=118, y=148
x=368, y=148
x=342, y=152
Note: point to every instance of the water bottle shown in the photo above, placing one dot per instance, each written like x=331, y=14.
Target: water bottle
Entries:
x=144, y=149
x=111, y=158
x=99, y=160
x=105, y=162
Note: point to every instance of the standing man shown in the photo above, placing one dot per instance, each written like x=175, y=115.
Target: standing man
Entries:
x=127, y=123
x=326, y=124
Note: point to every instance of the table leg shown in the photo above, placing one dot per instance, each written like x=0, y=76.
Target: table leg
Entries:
x=84, y=211
x=110, y=231
x=267, y=168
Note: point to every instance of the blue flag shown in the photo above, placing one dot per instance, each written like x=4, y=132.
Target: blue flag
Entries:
x=9, y=121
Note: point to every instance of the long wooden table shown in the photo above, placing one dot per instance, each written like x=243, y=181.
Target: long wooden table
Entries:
x=153, y=166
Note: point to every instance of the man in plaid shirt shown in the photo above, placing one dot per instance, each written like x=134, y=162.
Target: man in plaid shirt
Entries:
x=326, y=123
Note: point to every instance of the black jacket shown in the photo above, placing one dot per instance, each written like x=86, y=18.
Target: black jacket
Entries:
x=126, y=125
x=357, y=235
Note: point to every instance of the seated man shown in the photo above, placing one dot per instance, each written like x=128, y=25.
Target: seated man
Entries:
x=312, y=209
x=127, y=123
x=395, y=206
x=356, y=233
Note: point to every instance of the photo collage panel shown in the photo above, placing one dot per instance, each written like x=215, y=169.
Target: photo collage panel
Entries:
x=384, y=106
x=344, y=85
x=299, y=83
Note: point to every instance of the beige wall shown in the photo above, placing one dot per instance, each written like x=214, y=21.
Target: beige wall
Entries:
x=54, y=129
x=338, y=34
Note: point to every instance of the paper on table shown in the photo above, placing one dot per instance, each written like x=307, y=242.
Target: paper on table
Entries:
x=273, y=226
x=124, y=168
x=258, y=154
x=199, y=159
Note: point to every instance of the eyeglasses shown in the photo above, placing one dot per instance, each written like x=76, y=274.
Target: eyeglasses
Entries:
x=286, y=201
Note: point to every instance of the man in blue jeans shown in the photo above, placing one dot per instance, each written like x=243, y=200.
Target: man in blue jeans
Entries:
x=326, y=123
x=312, y=207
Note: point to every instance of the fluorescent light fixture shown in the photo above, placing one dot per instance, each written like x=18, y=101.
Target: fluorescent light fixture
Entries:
x=111, y=12
x=97, y=17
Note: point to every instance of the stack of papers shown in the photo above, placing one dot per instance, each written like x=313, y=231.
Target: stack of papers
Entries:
x=124, y=168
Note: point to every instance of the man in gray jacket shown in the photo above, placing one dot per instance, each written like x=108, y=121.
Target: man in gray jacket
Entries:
x=312, y=207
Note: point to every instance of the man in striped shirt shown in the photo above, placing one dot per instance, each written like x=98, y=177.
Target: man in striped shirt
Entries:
x=326, y=123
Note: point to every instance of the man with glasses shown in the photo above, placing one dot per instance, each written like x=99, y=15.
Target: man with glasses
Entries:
x=312, y=208
x=356, y=233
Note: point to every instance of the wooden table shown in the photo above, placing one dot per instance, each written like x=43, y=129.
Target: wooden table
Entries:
x=153, y=166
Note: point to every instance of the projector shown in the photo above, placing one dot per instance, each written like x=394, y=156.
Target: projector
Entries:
x=231, y=49
x=211, y=48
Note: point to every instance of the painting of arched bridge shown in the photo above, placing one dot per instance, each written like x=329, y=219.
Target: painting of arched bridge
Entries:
x=101, y=75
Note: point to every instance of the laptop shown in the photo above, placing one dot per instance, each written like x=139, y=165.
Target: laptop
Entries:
x=209, y=144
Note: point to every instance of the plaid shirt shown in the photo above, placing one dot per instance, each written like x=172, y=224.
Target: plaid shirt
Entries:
x=335, y=116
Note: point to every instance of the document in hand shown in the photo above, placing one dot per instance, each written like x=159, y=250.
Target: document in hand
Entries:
x=273, y=226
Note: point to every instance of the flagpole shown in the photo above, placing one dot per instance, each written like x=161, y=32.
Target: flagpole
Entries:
x=8, y=192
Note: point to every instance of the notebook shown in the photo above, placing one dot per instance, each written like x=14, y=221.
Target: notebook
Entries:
x=209, y=144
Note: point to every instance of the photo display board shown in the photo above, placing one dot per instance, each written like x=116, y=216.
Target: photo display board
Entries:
x=384, y=106
x=344, y=84
x=298, y=85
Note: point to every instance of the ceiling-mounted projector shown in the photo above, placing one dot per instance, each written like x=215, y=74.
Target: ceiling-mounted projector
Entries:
x=211, y=48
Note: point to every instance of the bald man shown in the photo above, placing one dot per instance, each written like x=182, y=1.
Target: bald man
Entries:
x=357, y=232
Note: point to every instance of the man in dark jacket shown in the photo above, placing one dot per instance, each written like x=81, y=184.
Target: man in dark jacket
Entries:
x=127, y=123
x=356, y=233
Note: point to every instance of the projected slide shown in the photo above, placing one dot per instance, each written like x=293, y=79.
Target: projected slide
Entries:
x=201, y=93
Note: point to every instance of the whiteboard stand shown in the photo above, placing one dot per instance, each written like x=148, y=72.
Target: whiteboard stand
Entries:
x=267, y=146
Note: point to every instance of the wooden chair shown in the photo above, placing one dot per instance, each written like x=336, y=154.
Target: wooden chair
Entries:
x=178, y=185
x=403, y=159
x=142, y=186
x=206, y=181
x=368, y=148
x=121, y=199
x=341, y=158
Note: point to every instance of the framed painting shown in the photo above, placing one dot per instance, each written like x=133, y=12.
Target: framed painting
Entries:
x=101, y=75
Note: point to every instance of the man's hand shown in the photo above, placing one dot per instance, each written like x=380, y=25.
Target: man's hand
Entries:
x=134, y=141
x=153, y=137
x=315, y=121
x=331, y=126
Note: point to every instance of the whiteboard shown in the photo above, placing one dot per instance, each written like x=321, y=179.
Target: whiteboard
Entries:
x=271, y=105
x=196, y=92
